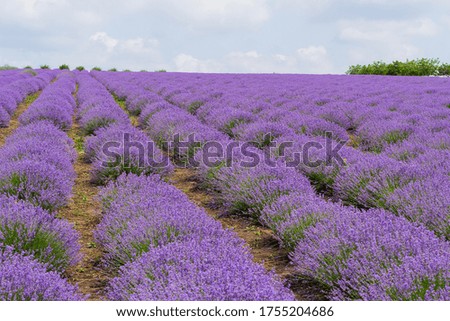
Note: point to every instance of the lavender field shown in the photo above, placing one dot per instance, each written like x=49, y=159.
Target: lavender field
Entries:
x=122, y=186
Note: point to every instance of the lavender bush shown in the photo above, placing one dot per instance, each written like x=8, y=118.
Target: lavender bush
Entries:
x=129, y=151
x=395, y=158
x=144, y=212
x=375, y=255
x=24, y=279
x=33, y=231
x=213, y=269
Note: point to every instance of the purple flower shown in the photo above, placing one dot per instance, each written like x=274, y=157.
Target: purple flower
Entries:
x=248, y=190
x=24, y=279
x=121, y=149
x=44, y=131
x=364, y=256
x=39, y=183
x=31, y=230
x=144, y=212
x=97, y=108
x=4, y=117
x=291, y=215
x=425, y=201
x=55, y=104
x=370, y=181
x=212, y=269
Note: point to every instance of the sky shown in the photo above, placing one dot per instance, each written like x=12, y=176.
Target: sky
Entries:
x=244, y=36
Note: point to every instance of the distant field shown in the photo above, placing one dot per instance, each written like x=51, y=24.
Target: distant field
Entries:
x=183, y=186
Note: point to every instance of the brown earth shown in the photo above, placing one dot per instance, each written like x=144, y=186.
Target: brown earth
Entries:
x=84, y=212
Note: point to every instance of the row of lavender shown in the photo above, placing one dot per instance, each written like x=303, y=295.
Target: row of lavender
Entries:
x=9, y=76
x=159, y=244
x=358, y=263
x=17, y=88
x=408, y=124
x=36, y=178
x=409, y=179
x=409, y=176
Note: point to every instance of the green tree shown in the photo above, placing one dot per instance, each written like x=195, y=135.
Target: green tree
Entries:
x=417, y=67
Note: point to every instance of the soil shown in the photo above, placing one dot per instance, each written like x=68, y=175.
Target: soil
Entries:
x=84, y=212
x=261, y=241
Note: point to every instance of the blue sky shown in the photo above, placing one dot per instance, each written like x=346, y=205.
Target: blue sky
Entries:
x=284, y=36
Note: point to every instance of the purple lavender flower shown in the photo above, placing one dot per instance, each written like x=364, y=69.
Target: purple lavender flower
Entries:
x=308, y=125
x=167, y=128
x=58, y=114
x=24, y=279
x=39, y=183
x=4, y=117
x=33, y=231
x=261, y=134
x=42, y=130
x=143, y=212
x=136, y=102
x=291, y=215
x=370, y=181
x=101, y=116
x=124, y=149
x=249, y=190
x=55, y=104
x=227, y=119
x=97, y=106
x=375, y=255
x=39, y=150
x=374, y=135
x=425, y=201
x=7, y=102
x=212, y=269
x=149, y=109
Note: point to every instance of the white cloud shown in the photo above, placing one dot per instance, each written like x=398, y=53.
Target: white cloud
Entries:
x=328, y=3
x=86, y=18
x=140, y=45
x=223, y=13
x=40, y=14
x=307, y=36
x=133, y=53
x=249, y=54
x=306, y=6
x=385, y=30
x=103, y=38
x=184, y=62
x=134, y=45
x=312, y=59
x=399, y=2
x=313, y=54
x=280, y=57
x=249, y=61
x=385, y=39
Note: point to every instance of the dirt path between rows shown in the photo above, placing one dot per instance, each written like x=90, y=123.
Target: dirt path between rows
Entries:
x=14, y=123
x=84, y=212
x=263, y=246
